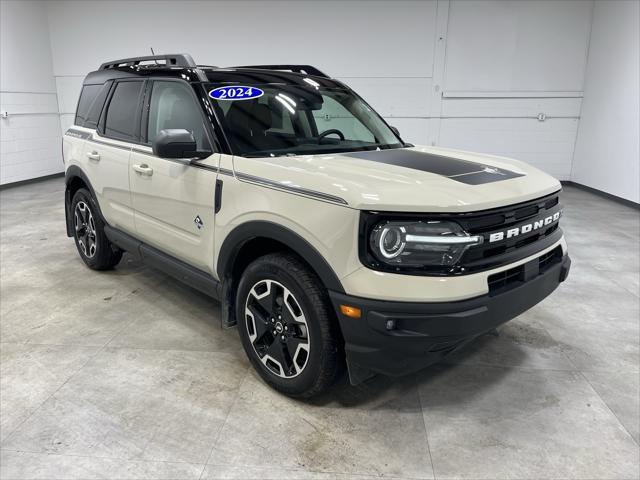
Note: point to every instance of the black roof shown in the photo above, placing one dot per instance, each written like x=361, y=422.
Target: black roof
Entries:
x=183, y=66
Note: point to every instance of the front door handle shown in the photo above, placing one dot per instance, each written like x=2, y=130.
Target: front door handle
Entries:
x=93, y=156
x=143, y=169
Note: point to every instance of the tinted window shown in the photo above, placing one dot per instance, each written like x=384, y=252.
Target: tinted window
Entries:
x=301, y=120
x=96, y=107
x=123, y=107
x=87, y=96
x=334, y=115
x=173, y=106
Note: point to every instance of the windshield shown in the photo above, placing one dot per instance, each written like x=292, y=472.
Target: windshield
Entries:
x=274, y=120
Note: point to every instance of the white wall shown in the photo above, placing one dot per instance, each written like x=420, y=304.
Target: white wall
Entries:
x=383, y=49
x=30, y=135
x=607, y=155
x=469, y=74
x=507, y=62
x=401, y=56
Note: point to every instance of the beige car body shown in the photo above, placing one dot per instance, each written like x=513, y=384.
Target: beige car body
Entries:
x=319, y=197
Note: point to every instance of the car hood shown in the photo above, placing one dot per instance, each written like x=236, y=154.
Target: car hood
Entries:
x=416, y=179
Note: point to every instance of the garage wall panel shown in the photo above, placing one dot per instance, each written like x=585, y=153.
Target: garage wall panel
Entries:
x=68, y=89
x=443, y=72
x=370, y=45
x=30, y=133
x=412, y=130
x=548, y=145
x=352, y=38
x=395, y=97
x=517, y=45
x=515, y=107
x=607, y=155
x=508, y=62
x=30, y=145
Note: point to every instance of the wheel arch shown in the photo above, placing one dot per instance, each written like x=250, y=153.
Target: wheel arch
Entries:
x=254, y=239
x=75, y=178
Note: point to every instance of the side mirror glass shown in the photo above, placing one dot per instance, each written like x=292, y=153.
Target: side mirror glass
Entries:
x=176, y=143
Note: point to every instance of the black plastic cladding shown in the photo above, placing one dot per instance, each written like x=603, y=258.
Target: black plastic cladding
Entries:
x=475, y=259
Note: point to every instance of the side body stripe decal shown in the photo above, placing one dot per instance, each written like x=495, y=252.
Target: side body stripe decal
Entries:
x=222, y=171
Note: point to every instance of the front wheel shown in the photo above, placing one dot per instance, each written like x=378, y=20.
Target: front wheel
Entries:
x=287, y=326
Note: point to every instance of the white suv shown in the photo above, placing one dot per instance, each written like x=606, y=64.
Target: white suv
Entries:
x=327, y=239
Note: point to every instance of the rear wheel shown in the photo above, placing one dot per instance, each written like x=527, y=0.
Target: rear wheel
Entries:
x=93, y=245
x=287, y=326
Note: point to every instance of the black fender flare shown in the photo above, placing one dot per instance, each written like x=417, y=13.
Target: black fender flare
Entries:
x=253, y=229
x=76, y=172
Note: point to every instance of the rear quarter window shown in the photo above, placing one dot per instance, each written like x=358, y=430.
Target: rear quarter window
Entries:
x=90, y=105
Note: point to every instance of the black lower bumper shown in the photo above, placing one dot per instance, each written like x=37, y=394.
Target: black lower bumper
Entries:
x=396, y=338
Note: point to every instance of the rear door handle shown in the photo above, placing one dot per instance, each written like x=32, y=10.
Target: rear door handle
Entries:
x=94, y=156
x=143, y=169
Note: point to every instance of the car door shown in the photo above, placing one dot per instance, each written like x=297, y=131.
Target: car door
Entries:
x=173, y=199
x=107, y=153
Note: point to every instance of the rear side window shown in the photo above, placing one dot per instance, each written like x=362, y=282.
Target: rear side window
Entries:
x=87, y=97
x=89, y=117
x=122, y=112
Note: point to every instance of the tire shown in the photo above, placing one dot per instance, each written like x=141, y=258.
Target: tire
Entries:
x=93, y=245
x=279, y=293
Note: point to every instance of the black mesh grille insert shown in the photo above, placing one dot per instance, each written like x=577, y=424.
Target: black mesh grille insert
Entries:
x=502, y=220
x=549, y=259
x=502, y=281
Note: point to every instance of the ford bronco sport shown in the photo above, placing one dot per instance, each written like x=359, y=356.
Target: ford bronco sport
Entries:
x=327, y=239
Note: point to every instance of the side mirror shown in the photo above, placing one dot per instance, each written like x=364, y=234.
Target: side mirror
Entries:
x=176, y=143
x=395, y=130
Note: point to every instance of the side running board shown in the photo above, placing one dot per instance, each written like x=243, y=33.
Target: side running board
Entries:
x=178, y=269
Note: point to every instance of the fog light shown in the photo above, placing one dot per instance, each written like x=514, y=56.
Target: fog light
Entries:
x=391, y=324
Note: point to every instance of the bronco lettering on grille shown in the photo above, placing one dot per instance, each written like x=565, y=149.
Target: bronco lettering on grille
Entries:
x=526, y=228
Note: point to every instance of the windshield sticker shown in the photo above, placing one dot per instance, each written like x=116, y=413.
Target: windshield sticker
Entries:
x=235, y=93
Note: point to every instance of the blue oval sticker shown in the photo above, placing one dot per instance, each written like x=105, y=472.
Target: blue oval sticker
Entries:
x=235, y=92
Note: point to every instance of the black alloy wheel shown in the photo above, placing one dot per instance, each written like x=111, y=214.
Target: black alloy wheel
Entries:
x=288, y=327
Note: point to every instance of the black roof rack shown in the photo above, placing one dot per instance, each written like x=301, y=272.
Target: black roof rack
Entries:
x=171, y=60
x=307, y=69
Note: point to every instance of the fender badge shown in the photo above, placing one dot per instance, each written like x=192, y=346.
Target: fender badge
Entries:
x=198, y=222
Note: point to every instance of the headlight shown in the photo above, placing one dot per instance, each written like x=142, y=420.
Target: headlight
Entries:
x=427, y=245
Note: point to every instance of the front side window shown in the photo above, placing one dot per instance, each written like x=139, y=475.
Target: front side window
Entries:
x=292, y=119
x=173, y=106
x=122, y=112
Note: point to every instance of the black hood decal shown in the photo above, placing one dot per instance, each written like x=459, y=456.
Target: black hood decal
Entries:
x=464, y=171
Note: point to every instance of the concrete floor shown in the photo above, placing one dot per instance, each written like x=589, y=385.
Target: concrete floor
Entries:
x=127, y=374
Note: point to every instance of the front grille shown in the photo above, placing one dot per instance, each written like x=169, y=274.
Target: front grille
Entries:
x=502, y=220
x=506, y=280
x=549, y=259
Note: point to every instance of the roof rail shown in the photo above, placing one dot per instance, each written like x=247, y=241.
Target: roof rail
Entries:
x=171, y=60
x=308, y=69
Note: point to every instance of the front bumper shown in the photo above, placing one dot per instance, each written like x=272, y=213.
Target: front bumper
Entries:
x=396, y=338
